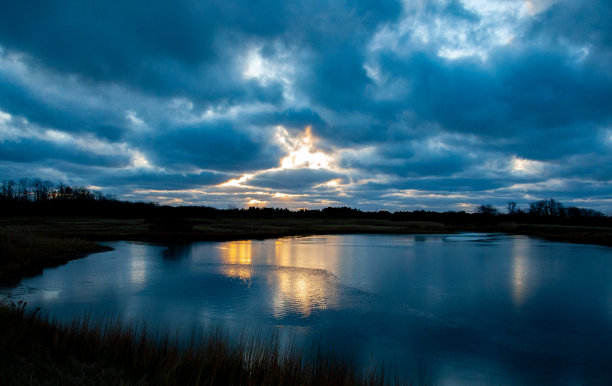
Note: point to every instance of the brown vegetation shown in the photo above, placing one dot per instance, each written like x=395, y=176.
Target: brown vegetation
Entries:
x=37, y=351
x=29, y=244
x=25, y=252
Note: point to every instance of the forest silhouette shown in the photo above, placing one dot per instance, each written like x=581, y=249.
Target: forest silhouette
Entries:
x=37, y=197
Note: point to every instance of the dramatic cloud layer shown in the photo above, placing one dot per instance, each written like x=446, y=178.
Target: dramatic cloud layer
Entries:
x=442, y=104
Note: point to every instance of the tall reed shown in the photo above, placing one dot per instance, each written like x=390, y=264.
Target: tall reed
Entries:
x=35, y=349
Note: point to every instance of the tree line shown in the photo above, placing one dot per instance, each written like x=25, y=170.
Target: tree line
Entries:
x=37, y=197
x=541, y=208
x=36, y=189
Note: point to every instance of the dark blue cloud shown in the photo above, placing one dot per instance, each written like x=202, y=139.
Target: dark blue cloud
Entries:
x=291, y=118
x=337, y=79
x=179, y=48
x=293, y=180
x=34, y=150
x=585, y=22
x=588, y=166
x=415, y=96
x=217, y=146
x=147, y=179
x=455, y=9
x=449, y=185
x=110, y=40
x=22, y=101
x=403, y=161
x=507, y=96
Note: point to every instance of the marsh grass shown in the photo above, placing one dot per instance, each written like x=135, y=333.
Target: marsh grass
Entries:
x=26, y=253
x=37, y=350
x=28, y=244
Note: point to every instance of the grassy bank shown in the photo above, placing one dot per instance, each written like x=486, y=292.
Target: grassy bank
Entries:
x=24, y=252
x=29, y=244
x=217, y=229
x=37, y=351
x=564, y=233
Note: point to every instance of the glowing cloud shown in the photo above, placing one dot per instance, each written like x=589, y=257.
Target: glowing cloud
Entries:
x=237, y=182
x=286, y=195
x=526, y=166
x=265, y=70
x=4, y=117
x=302, y=152
x=140, y=161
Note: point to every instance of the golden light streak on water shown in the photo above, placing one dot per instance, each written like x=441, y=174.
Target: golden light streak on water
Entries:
x=238, y=256
x=520, y=273
x=138, y=265
x=302, y=291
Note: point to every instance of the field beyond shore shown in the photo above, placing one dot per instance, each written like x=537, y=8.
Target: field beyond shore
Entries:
x=30, y=244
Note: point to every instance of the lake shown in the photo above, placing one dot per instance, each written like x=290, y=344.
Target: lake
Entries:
x=462, y=308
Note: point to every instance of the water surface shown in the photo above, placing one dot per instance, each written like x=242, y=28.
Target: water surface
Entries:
x=466, y=308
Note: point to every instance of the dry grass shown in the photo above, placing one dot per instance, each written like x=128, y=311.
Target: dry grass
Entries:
x=36, y=351
x=25, y=252
x=207, y=229
x=563, y=233
x=27, y=245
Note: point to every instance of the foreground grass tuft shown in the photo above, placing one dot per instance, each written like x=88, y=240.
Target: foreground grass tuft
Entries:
x=35, y=350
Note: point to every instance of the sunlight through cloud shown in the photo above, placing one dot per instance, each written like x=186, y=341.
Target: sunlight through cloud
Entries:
x=527, y=166
x=237, y=182
x=140, y=161
x=254, y=202
x=4, y=117
x=277, y=68
x=302, y=152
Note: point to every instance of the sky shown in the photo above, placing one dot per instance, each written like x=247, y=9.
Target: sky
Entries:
x=372, y=104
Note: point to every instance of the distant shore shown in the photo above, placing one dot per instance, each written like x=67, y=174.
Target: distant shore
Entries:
x=30, y=244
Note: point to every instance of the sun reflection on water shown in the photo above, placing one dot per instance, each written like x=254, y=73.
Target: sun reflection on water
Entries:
x=138, y=264
x=237, y=252
x=242, y=272
x=301, y=291
x=237, y=257
x=300, y=284
x=520, y=272
x=316, y=255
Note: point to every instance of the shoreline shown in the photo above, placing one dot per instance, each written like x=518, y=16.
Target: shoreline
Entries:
x=28, y=245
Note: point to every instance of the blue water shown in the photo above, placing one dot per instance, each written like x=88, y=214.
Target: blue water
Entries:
x=461, y=309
